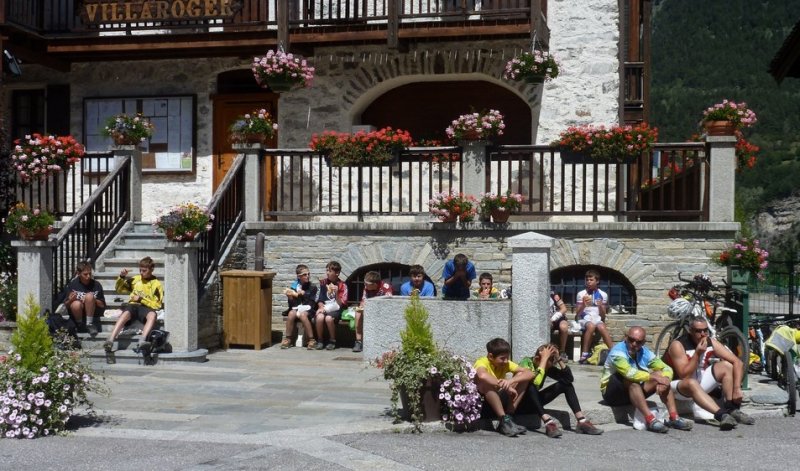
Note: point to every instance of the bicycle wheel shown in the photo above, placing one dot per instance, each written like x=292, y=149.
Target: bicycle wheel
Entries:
x=789, y=380
x=733, y=338
x=666, y=337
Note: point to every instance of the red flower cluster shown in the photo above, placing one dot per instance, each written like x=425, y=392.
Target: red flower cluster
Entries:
x=39, y=156
x=608, y=144
x=745, y=152
x=362, y=148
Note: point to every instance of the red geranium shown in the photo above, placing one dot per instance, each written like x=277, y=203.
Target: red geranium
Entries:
x=37, y=156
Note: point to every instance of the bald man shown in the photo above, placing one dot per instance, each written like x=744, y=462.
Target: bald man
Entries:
x=632, y=373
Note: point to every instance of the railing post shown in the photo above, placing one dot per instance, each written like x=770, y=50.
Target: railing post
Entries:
x=530, y=256
x=252, y=180
x=722, y=184
x=180, y=286
x=34, y=272
x=282, y=18
x=474, y=167
x=392, y=22
x=135, y=180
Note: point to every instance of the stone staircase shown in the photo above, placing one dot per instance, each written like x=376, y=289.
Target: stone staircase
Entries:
x=139, y=241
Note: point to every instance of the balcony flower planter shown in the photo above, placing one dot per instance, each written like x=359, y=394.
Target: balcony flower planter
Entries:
x=535, y=79
x=499, y=216
x=569, y=156
x=361, y=149
x=255, y=127
x=40, y=234
x=375, y=159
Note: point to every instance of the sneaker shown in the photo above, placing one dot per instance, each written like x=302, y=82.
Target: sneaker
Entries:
x=331, y=346
x=742, y=418
x=507, y=427
x=657, y=426
x=92, y=330
x=680, y=424
x=584, y=358
x=286, y=343
x=588, y=428
x=521, y=430
x=727, y=422
x=318, y=346
x=312, y=344
x=108, y=345
x=358, y=346
x=564, y=357
x=552, y=430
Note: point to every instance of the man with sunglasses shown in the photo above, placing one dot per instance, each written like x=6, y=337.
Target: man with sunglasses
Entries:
x=703, y=364
x=632, y=373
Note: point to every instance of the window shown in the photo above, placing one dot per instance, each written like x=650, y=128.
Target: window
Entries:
x=568, y=281
x=27, y=112
x=394, y=273
x=172, y=147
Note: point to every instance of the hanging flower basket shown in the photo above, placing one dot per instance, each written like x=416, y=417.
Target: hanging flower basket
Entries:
x=281, y=71
x=532, y=67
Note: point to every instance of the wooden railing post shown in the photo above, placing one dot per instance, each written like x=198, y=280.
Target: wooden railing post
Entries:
x=135, y=180
x=722, y=184
x=282, y=18
x=392, y=22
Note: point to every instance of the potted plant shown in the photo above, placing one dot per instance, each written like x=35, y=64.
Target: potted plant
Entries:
x=38, y=156
x=745, y=257
x=253, y=128
x=726, y=117
x=476, y=126
x=425, y=379
x=533, y=67
x=125, y=129
x=452, y=206
x=499, y=207
x=362, y=149
x=598, y=144
x=29, y=224
x=184, y=222
x=281, y=71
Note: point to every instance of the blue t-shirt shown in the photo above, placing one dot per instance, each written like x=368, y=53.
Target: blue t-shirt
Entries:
x=427, y=289
x=458, y=290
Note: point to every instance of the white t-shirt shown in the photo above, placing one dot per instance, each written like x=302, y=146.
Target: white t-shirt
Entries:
x=591, y=312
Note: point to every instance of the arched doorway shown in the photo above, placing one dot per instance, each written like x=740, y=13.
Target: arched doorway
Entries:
x=425, y=109
x=568, y=281
x=394, y=273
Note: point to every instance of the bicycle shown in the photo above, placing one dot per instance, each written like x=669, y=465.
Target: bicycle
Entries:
x=782, y=357
x=698, y=297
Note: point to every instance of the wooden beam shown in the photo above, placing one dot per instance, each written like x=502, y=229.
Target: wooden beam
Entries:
x=282, y=17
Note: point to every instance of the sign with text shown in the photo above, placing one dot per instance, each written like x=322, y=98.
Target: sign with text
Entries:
x=133, y=11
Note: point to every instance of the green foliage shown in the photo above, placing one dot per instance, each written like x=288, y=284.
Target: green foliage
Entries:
x=417, y=337
x=32, y=339
x=8, y=281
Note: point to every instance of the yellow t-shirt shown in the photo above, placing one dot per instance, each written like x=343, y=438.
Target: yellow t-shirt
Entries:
x=484, y=362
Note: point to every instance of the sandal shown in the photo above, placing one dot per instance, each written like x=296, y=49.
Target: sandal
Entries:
x=286, y=343
x=312, y=344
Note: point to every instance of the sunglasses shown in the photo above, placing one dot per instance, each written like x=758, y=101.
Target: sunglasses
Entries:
x=303, y=274
x=700, y=331
x=633, y=341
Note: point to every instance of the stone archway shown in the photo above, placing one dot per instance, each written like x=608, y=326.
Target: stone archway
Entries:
x=602, y=252
x=357, y=255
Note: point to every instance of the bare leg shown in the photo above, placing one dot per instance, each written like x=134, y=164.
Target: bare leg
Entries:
x=320, y=321
x=604, y=333
x=637, y=396
x=76, y=310
x=691, y=388
x=149, y=323
x=290, y=322
x=563, y=335
x=723, y=371
x=586, y=344
x=330, y=322
x=359, y=325
x=306, y=324
x=123, y=319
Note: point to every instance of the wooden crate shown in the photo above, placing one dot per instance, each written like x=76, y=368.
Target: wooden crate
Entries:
x=247, y=308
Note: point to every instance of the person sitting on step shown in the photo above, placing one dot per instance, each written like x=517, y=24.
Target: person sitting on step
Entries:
x=373, y=286
x=302, y=297
x=331, y=300
x=84, y=299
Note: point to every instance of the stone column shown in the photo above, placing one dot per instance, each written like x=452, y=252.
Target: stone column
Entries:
x=135, y=188
x=473, y=165
x=34, y=273
x=180, y=294
x=530, y=277
x=722, y=161
x=252, y=180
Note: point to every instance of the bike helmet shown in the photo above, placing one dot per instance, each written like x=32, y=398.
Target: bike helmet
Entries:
x=679, y=308
x=702, y=283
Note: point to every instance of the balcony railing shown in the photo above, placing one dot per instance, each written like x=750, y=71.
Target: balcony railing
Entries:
x=670, y=183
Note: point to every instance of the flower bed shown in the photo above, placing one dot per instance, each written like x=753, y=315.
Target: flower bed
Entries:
x=251, y=128
x=476, y=126
x=38, y=156
x=184, y=222
x=125, y=129
x=535, y=67
x=608, y=145
x=363, y=148
x=282, y=67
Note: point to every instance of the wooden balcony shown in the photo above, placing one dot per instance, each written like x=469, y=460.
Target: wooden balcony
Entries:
x=102, y=29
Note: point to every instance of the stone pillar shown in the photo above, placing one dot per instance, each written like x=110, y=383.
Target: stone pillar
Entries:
x=252, y=180
x=722, y=161
x=180, y=294
x=473, y=165
x=34, y=273
x=530, y=277
x=135, y=188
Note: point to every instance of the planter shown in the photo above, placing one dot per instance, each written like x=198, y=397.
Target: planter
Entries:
x=126, y=141
x=383, y=162
x=738, y=276
x=536, y=79
x=280, y=84
x=250, y=139
x=500, y=217
x=41, y=234
x=430, y=406
x=171, y=236
x=569, y=156
x=450, y=218
x=719, y=128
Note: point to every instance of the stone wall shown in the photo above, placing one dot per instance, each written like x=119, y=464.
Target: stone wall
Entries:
x=649, y=255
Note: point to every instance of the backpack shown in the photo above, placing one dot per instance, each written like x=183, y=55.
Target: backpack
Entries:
x=159, y=339
x=63, y=331
x=599, y=354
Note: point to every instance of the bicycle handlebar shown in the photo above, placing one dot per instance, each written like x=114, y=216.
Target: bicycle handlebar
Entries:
x=693, y=284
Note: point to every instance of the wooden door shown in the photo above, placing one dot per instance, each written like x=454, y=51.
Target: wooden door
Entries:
x=226, y=109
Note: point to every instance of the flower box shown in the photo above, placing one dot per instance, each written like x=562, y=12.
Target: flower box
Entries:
x=129, y=130
x=256, y=127
x=598, y=144
x=738, y=114
x=719, y=128
x=476, y=126
x=29, y=224
x=362, y=149
x=184, y=222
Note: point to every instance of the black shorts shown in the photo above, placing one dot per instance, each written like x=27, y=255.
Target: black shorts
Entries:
x=138, y=312
x=616, y=393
